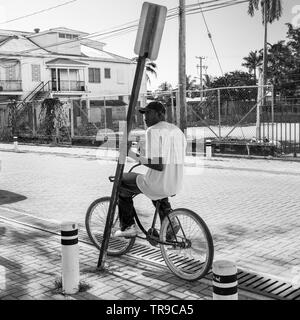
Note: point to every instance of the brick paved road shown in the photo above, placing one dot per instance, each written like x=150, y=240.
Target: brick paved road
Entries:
x=30, y=263
x=253, y=216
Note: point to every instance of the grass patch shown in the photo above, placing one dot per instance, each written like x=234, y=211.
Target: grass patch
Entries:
x=58, y=288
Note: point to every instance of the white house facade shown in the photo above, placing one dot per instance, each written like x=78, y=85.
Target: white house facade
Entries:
x=65, y=64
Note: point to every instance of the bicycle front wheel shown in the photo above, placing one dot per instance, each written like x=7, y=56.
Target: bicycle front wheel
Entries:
x=190, y=252
x=95, y=221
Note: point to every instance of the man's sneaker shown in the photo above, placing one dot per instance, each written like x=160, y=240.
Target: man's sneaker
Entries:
x=129, y=232
x=171, y=233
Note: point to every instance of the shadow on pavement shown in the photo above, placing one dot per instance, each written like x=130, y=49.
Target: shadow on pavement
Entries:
x=7, y=197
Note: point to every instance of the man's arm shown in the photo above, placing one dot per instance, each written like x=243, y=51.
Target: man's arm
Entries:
x=155, y=163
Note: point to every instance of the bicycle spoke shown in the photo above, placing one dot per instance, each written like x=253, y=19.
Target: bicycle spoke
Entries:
x=95, y=224
x=190, y=256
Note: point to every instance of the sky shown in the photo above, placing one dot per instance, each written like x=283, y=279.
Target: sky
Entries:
x=234, y=32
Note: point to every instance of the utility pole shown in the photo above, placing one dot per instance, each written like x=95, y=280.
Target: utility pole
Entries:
x=265, y=50
x=201, y=67
x=182, y=67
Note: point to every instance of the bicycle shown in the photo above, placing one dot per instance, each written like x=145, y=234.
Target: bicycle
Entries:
x=187, y=249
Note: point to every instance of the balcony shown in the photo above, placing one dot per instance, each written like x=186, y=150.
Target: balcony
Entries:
x=10, y=85
x=67, y=86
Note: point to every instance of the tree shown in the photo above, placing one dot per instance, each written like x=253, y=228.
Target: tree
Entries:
x=190, y=83
x=165, y=86
x=252, y=62
x=150, y=67
x=279, y=64
x=207, y=81
x=52, y=117
x=235, y=79
x=271, y=11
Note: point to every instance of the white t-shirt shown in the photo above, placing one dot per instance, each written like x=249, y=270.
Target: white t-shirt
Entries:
x=167, y=141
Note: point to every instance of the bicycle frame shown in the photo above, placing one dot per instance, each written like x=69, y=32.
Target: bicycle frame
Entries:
x=111, y=178
x=153, y=225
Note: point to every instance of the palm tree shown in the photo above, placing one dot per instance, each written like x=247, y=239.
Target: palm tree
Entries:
x=190, y=83
x=271, y=11
x=165, y=86
x=207, y=81
x=151, y=68
x=252, y=62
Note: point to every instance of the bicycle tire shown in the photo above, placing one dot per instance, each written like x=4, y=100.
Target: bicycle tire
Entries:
x=191, y=263
x=95, y=221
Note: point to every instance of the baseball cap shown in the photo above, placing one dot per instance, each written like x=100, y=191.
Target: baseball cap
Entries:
x=154, y=105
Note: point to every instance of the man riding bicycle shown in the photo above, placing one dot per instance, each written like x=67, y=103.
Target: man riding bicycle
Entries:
x=164, y=156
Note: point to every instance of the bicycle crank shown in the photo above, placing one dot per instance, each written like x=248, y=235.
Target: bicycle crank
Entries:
x=153, y=236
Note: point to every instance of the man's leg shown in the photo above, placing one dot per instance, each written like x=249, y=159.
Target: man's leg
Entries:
x=164, y=208
x=126, y=212
x=128, y=189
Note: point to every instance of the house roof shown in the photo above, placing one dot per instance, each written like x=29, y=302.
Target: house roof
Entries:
x=23, y=42
x=65, y=61
x=59, y=29
x=63, y=29
x=103, y=55
x=19, y=44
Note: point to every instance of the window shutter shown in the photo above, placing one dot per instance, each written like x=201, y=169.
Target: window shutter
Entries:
x=91, y=75
x=97, y=75
x=36, y=72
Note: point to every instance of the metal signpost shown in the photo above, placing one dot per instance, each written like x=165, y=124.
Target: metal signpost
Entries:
x=147, y=43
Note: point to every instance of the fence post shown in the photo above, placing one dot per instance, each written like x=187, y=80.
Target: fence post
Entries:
x=177, y=109
x=219, y=112
x=172, y=108
x=104, y=106
x=225, y=285
x=33, y=119
x=272, y=111
x=72, y=119
x=70, y=257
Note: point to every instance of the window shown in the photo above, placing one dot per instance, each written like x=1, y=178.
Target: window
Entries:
x=10, y=73
x=107, y=73
x=94, y=75
x=36, y=72
x=67, y=35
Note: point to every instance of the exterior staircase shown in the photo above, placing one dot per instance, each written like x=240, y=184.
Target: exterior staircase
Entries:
x=40, y=92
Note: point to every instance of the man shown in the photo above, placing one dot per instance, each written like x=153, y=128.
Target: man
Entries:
x=164, y=156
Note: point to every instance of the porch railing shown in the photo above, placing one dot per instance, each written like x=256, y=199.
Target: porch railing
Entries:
x=65, y=85
x=10, y=85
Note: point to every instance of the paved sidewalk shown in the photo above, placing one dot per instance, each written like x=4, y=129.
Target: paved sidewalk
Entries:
x=30, y=260
x=30, y=266
x=266, y=164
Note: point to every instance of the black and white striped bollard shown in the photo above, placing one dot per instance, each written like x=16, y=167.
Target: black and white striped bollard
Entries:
x=208, y=149
x=225, y=285
x=70, y=257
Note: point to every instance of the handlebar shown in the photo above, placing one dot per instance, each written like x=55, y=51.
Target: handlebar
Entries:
x=112, y=178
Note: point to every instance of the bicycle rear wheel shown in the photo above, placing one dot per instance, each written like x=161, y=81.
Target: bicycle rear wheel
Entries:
x=190, y=256
x=95, y=221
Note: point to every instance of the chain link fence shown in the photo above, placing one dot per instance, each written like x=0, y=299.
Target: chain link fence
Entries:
x=69, y=120
x=237, y=120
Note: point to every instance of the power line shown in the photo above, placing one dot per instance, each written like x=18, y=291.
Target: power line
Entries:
x=37, y=12
x=133, y=25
